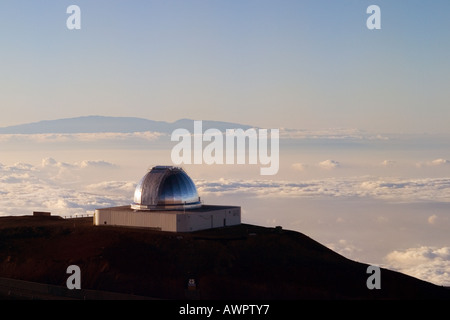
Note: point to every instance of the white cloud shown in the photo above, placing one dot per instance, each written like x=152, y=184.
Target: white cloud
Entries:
x=388, y=163
x=330, y=134
x=329, y=164
x=434, y=189
x=389, y=189
x=14, y=178
x=24, y=198
x=431, y=264
x=299, y=166
x=114, y=136
x=80, y=137
x=112, y=187
x=50, y=162
x=95, y=164
x=26, y=188
x=345, y=248
x=440, y=162
x=434, y=163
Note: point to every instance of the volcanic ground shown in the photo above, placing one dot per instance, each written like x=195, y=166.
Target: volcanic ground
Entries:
x=238, y=262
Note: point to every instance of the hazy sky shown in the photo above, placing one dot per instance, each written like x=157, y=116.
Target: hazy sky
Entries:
x=296, y=64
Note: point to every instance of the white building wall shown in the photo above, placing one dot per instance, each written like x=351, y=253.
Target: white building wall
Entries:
x=233, y=216
x=175, y=221
x=102, y=217
x=125, y=217
x=194, y=221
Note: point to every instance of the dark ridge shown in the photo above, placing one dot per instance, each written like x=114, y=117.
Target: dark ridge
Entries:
x=239, y=262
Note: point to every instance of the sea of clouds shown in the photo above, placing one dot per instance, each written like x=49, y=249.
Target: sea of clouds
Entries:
x=429, y=263
x=394, y=189
x=57, y=187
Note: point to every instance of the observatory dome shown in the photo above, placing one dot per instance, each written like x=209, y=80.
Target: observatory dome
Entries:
x=166, y=188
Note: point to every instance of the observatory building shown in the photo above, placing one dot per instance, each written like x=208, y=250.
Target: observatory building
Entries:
x=166, y=199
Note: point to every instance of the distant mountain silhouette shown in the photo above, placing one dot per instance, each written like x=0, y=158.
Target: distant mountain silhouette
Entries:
x=97, y=124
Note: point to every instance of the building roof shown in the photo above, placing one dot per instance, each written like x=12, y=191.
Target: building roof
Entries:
x=166, y=188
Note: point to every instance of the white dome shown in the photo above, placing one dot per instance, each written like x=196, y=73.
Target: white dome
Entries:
x=166, y=188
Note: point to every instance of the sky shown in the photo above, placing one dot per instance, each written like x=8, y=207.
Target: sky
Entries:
x=363, y=115
x=292, y=64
